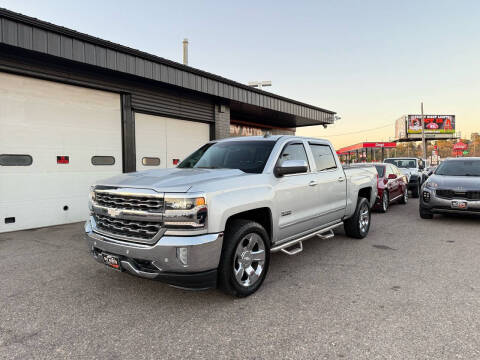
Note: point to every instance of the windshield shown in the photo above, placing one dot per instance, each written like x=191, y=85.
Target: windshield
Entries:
x=248, y=156
x=403, y=163
x=459, y=168
x=380, y=170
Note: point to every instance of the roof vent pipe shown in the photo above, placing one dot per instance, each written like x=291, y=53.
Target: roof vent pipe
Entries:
x=185, y=51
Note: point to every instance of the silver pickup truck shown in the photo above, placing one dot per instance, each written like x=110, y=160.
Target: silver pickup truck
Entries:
x=215, y=218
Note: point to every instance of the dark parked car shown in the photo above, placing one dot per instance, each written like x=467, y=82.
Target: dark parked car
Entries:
x=414, y=169
x=454, y=187
x=392, y=185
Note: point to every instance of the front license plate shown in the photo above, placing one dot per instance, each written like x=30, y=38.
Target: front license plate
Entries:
x=458, y=204
x=111, y=261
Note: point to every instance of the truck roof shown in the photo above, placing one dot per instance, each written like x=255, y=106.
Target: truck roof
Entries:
x=267, y=138
x=403, y=157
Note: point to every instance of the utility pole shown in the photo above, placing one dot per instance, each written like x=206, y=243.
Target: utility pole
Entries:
x=424, y=142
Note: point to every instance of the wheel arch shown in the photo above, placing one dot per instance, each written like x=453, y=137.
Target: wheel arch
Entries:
x=366, y=193
x=261, y=215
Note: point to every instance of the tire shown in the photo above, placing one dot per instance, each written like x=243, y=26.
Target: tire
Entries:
x=404, y=198
x=416, y=191
x=425, y=214
x=385, y=202
x=359, y=224
x=243, y=243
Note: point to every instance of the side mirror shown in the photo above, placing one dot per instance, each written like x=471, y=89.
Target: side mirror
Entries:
x=392, y=176
x=290, y=167
x=421, y=167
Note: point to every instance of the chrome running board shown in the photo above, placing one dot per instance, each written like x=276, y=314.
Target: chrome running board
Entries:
x=326, y=236
x=295, y=251
x=326, y=233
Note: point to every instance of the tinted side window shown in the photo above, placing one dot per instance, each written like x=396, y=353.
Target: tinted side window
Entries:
x=380, y=170
x=294, y=152
x=15, y=160
x=323, y=156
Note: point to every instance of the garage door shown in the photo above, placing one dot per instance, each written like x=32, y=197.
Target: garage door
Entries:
x=161, y=142
x=55, y=141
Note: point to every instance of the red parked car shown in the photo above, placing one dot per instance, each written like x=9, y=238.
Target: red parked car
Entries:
x=392, y=185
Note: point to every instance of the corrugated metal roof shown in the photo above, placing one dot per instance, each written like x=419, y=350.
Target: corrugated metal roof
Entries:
x=32, y=34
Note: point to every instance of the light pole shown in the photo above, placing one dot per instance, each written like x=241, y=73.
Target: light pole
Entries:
x=424, y=143
x=260, y=84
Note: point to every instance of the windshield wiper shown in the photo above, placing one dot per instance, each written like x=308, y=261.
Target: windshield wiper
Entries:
x=208, y=167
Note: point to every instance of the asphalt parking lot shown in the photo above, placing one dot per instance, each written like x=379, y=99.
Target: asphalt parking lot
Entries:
x=411, y=290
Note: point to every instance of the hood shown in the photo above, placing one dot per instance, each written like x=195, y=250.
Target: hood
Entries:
x=169, y=180
x=458, y=183
x=408, y=171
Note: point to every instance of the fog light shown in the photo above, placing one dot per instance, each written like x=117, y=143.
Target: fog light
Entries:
x=426, y=196
x=182, y=255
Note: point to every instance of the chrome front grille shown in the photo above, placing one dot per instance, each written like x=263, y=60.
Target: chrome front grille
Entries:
x=452, y=194
x=131, y=229
x=139, y=202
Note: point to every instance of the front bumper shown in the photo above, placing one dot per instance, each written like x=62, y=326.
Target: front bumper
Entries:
x=159, y=261
x=439, y=205
x=414, y=182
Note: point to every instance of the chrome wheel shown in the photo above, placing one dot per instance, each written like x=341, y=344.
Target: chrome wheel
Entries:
x=405, y=196
x=364, y=218
x=249, y=259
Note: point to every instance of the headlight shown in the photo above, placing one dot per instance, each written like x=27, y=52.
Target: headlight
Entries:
x=91, y=196
x=185, y=213
x=431, y=185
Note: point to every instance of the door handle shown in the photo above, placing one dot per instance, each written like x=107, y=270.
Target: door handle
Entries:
x=312, y=183
x=341, y=179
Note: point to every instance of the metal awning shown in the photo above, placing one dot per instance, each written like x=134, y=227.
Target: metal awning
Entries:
x=366, y=145
x=30, y=34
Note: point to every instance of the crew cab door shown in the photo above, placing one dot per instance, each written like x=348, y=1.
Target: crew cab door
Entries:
x=393, y=185
x=331, y=188
x=295, y=195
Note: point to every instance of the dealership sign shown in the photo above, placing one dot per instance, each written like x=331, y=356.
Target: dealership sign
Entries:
x=434, y=124
x=245, y=130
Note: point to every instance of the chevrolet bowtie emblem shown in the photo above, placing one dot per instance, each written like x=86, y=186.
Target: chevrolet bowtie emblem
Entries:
x=114, y=212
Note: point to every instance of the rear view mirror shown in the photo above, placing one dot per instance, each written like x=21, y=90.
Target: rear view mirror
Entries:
x=290, y=167
x=392, y=176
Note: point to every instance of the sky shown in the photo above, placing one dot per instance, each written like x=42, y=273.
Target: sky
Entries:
x=369, y=61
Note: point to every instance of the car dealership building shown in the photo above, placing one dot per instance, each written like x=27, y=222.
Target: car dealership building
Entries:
x=75, y=109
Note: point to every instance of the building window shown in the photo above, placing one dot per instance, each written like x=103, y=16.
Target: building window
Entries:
x=15, y=160
x=103, y=160
x=150, y=161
